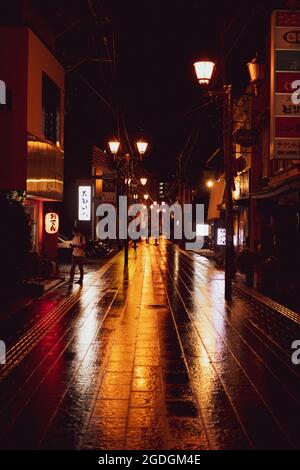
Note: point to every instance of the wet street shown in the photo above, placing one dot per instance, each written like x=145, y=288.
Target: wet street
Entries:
x=155, y=361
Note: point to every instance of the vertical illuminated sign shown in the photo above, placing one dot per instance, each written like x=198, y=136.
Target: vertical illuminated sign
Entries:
x=2, y=353
x=84, y=202
x=2, y=92
x=285, y=74
x=221, y=237
x=202, y=230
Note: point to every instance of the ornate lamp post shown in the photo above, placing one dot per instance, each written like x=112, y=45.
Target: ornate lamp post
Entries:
x=114, y=147
x=142, y=147
x=257, y=73
x=204, y=70
x=143, y=181
x=123, y=169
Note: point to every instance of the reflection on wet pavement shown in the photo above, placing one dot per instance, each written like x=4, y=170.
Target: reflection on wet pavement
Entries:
x=157, y=360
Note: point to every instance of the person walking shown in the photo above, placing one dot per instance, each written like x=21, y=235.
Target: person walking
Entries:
x=78, y=246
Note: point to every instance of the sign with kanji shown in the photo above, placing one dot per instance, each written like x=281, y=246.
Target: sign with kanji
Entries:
x=51, y=223
x=285, y=85
x=221, y=237
x=287, y=60
x=286, y=148
x=285, y=106
x=84, y=203
x=287, y=18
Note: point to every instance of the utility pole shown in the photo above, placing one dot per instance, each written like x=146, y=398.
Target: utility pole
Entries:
x=228, y=166
x=126, y=246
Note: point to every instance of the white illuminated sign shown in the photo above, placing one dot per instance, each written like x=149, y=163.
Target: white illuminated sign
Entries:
x=2, y=92
x=84, y=202
x=202, y=230
x=221, y=237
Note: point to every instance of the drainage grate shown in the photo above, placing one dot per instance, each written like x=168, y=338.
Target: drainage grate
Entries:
x=154, y=306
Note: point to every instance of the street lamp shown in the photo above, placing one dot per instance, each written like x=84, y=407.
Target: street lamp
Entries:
x=209, y=183
x=146, y=197
x=143, y=181
x=114, y=146
x=125, y=169
x=256, y=72
x=142, y=147
x=204, y=71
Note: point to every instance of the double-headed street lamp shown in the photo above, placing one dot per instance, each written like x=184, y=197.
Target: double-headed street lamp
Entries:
x=204, y=70
x=126, y=172
x=143, y=181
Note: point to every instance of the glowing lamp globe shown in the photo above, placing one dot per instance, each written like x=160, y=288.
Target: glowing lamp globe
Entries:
x=142, y=147
x=209, y=183
x=204, y=70
x=114, y=146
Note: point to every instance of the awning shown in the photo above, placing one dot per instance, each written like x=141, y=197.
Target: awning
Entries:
x=215, y=200
x=277, y=191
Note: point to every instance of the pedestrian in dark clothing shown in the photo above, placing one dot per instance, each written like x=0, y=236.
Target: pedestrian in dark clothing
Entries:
x=78, y=246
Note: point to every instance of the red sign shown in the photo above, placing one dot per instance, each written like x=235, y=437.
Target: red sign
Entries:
x=285, y=72
x=288, y=18
x=288, y=127
x=284, y=80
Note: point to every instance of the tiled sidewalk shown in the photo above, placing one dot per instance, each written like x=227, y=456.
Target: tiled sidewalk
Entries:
x=144, y=400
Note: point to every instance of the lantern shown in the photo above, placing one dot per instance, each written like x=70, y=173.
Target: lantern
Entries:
x=204, y=70
x=51, y=223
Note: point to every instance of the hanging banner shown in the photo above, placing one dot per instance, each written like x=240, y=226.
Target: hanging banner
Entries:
x=285, y=75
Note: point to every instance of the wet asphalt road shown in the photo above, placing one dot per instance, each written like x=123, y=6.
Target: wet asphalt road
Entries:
x=155, y=361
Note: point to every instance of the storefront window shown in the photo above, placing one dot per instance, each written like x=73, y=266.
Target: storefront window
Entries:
x=51, y=110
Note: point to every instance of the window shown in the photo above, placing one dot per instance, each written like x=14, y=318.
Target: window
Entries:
x=50, y=110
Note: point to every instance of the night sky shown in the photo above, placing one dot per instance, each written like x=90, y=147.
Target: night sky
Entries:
x=157, y=43
x=150, y=84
